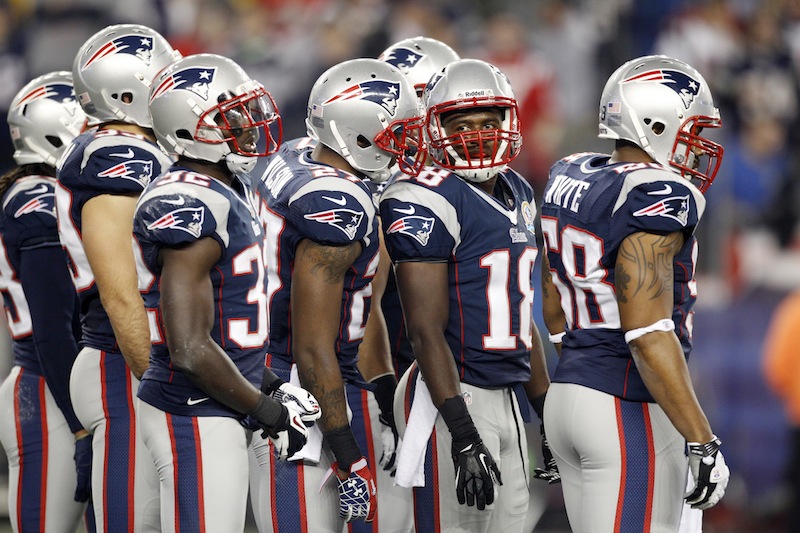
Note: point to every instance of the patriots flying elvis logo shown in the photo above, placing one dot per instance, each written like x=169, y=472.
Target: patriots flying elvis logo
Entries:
x=138, y=170
x=686, y=86
x=60, y=92
x=382, y=92
x=44, y=203
x=417, y=227
x=403, y=58
x=188, y=219
x=345, y=220
x=675, y=207
x=135, y=45
x=194, y=79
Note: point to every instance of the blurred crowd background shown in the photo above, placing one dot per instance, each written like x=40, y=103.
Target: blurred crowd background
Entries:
x=558, y=54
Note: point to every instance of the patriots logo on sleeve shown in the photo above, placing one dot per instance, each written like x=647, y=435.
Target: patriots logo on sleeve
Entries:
x=60, y=92
x=346, y=220
x=686, y=86
x=417, y=227
x=381, y=92
x=675, y=207
x=188, y=219
x=403, y=58
x=194, y=79
x=135, y=45
x=44, y=203
x=138, y=170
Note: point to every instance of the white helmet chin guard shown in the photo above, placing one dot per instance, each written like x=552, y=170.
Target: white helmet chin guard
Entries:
x=113, y=71
x=44, y=117
x=466, y=86
x=205, y=107
x=367, y=112
x=661, y=105
x=419, y=58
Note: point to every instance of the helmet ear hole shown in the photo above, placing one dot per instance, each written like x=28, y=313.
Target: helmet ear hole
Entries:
x=184, y=134
x=55, y=141
x=363, y=142
x=658, y=128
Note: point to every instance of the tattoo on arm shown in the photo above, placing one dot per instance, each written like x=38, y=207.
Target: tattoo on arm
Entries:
x=331, y=262
x=652, y=261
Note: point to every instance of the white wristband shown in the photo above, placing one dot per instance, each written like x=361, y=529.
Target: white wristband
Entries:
x=665, y=324
x=556, y=338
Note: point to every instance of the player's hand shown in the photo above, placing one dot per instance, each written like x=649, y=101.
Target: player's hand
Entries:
x=302, y=400
x=389, y=442
x=291, y=435
x=83, y=466
x=476, y=474
x=710, y=472
x=550, y=471
x=358, y=496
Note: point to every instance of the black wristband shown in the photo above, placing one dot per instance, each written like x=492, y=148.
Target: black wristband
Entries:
x=343, y=444
x=269, y=413
x=538, y=405
x=384, y=395
x=455, y=415
x=270, y=382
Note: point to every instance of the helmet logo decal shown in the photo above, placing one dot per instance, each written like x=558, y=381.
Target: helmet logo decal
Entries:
x=383, y=93
x=675, y=207
x=686, y=86
x=402, y=58
x=138, y=170
x=193, y=79
x=60, y=92
x=188, y=219
x=346, y=220
x=135, y=45
x=417, y=227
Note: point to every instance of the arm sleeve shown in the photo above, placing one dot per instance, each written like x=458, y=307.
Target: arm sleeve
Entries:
x=53, y=306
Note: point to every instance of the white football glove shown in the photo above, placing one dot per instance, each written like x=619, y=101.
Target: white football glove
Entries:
x=710, y=473
x=302, y=401
x=390, y=443
x=290, y=436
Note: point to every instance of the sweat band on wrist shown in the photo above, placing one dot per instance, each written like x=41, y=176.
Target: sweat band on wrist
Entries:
x=665, y=324
x=343, y=444
x=270, y=382
x=455, y=414
x=385, y=386
x=556, y=338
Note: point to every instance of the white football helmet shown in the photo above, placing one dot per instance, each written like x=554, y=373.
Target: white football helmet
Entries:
x=206, y=107
x=366, y=111
x=43, y=119
x=419, y=58
x=113, y=71
x=461, y=86
x=662, y=104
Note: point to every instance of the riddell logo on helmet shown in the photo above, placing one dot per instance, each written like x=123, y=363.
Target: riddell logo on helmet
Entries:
x=479, y=92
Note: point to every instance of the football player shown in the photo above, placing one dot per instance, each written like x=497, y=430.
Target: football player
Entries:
x=100, y=177
x=202, y=245
x=461, y=236
x=618, y=290
x=322, y=253
x=39, y=429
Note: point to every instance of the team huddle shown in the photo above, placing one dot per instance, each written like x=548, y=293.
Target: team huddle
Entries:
x=207, y=317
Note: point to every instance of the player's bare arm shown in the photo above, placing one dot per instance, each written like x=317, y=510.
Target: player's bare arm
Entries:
x=644, y=289
x=552, y=312
x=107, y=240
x=423, y=290
x=317, y=285
x=187, y=305
x=540, y=378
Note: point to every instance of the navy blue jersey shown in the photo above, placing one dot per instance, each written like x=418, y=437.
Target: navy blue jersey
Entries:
x=589, y=207
x=490, y=248
x=97, y=163
x=39, y=300
x=304, y=199
x=181, y=207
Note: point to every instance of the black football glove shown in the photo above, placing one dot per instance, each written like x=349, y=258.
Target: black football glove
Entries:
x=83, y=466
x=476, y=474
x=710, y=472
x=550, y=471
